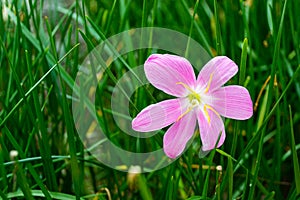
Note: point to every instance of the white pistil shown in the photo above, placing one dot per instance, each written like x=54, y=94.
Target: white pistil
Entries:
x=194, y=100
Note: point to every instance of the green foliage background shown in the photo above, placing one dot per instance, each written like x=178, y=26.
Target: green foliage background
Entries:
x=42, y=44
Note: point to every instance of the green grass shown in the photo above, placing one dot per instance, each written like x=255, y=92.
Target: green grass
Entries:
x=42, y=48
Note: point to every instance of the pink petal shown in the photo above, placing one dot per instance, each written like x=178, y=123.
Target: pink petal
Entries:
x=165, y=71
x=220, y=69
x=157, y=116
x=210, y=130
x=233, y=102
x=178, y=135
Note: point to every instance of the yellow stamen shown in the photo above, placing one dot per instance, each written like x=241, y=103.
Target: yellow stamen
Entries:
x=186, y=112
x=186, y=86
x=206, y=112
x=193, y=95
x=209, y=82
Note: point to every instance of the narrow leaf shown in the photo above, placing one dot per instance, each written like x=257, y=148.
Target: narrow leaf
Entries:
x=294, y=153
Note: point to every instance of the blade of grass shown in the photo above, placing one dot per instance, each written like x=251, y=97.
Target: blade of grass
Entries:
x=69, y=126
x=230, y=181
x=50, y=59
x=295, y=38
x=241, y=82
x=71, y=141
x=2, y=122
x=259, y=130
x=22, y=182
x=278, y=140
x=191, y=29
x=181, y=187
x=124, y=12
x=269, y=102
x=39, y=193
x=270, y=196
x=112, y=49
x=259, y=184
x=246, y=13
x=22, y=156
x=294, y=154
x=218, y=30
x=3, y=179
x=2, y=195
x=17, y=80
x=189, y=171
x=143, y=187
x=243, y=63
x=144, y=24
x=76, y=53
x=263, y=107
x=246, y=183
x=168, y=184
x=190, y=180
x=207, y=178
x=10, y=79
x=43, y=139
x=198, y=29
x=110, y=16
x=114, y=52
x=33, y=172
x=51, y=37
x=151, y=25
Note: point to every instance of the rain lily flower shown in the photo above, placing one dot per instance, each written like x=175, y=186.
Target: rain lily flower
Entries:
x=202, y=100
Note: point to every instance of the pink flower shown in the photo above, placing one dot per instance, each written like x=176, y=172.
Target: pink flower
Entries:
x=201, y=100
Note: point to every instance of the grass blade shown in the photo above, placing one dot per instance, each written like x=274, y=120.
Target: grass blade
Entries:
x=29, y=166
x=294, y=154
x=39, y=193
x=230, y=181
x=241, y=82
x=191, y=29
x=269, y=101
x=43, y=140
x=218, y=29
x=22, y=182
x=69, y=125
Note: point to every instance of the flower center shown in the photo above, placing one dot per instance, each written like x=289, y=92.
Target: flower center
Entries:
x=193, y=97
x=195, y=100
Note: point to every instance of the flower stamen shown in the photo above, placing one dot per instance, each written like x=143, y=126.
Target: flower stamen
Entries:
x=183, y=114
x=185, y=86
x=209, y=82
x=206, y=112
x=193, y=95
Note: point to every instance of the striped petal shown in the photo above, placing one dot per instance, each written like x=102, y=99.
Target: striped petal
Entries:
x=211, y=126
x=165, y=71
x=157, y=116
x=177, y=136
x=216, y=73
x=233, y=102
